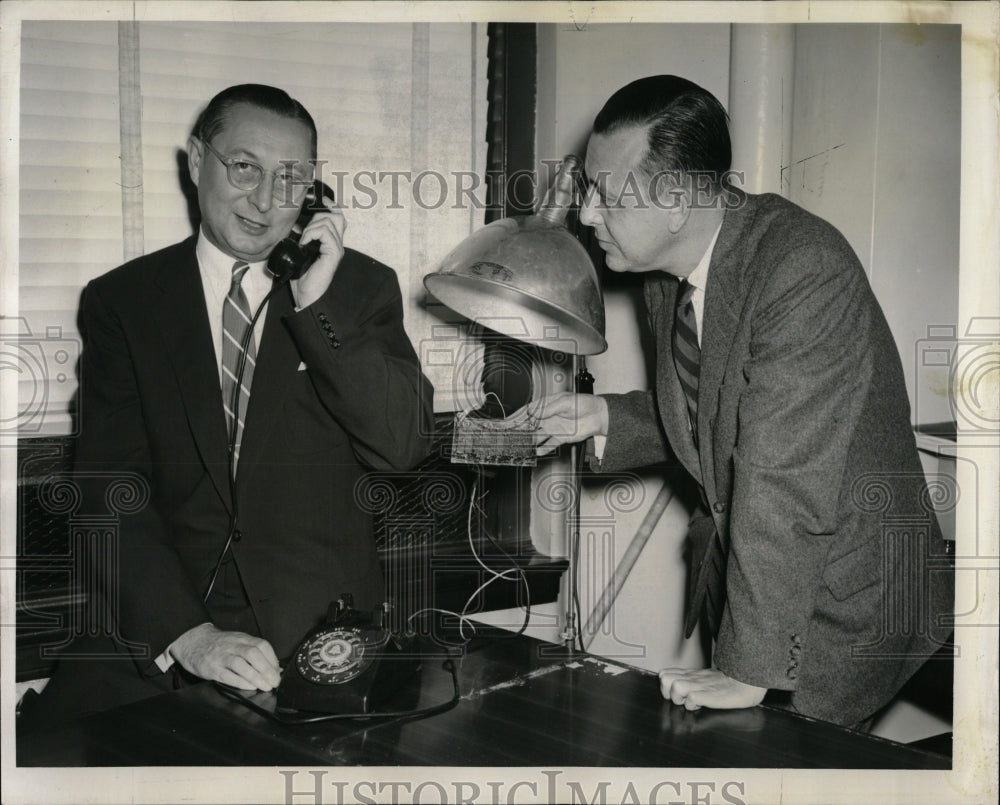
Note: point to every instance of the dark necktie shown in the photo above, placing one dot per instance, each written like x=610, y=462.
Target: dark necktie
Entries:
x=687, y=354
x=235, y=324
x=687, y=357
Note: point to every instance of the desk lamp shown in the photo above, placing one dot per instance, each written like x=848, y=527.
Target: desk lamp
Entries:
x=530, y=279
x=530, y=272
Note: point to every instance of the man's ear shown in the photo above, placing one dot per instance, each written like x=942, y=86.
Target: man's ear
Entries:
x=195, y=153
x=678, y=206
x=671, y=192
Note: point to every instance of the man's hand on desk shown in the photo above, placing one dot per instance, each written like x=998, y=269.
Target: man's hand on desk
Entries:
x=565, y=417
x=232, y=658
x=707, y=687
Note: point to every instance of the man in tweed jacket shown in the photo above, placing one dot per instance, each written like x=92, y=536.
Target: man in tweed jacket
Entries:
x=801, y=441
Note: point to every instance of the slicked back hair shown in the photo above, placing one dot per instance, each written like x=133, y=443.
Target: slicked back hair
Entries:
x=213, y=118
x=687, y=127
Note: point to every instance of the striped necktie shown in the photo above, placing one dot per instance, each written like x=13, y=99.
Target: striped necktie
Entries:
x=235, y=326
x=687, y=354
x=687, y=357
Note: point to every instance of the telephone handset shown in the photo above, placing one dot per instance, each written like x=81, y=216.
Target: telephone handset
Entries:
x=289, y=260
x=349, y=664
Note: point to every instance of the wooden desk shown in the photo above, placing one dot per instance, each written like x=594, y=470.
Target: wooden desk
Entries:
x=519, y=707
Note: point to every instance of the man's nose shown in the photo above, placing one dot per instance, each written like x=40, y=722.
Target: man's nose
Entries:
x=262, y=197
x=589, y=216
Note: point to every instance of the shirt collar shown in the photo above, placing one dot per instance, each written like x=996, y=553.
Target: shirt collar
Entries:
x=217, y=263
x=699, y=277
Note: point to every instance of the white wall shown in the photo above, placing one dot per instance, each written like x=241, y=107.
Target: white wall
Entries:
x=875, y=151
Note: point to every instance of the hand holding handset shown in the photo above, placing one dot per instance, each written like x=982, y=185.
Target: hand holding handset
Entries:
x=289, y=260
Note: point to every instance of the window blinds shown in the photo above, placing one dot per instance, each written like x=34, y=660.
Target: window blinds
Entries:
x=70, y=203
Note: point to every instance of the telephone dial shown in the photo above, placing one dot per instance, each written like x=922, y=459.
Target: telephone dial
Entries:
x=351, y=663
x=289, y=260
x=352, y=666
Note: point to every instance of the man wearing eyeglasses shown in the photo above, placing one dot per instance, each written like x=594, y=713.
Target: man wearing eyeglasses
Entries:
x=780, y=392
x=251, y=528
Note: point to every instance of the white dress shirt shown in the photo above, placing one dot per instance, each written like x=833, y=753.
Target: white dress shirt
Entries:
x=698, y=279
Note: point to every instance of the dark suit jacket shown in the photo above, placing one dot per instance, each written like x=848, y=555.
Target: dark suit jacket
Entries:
x=151, y=405
x=807, y=463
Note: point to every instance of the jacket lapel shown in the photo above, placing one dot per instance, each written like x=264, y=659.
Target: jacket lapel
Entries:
x=719, y=326
x=274, y=374
x=661, y=301
x=182, y=318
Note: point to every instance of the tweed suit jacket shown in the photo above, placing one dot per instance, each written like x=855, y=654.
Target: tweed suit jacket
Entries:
x=337, y=390
x=806, y=459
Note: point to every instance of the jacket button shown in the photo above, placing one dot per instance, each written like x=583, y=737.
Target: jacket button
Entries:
x=237, y=536
x=718, y=507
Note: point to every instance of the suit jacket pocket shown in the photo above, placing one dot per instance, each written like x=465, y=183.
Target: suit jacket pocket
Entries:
x=854, y=571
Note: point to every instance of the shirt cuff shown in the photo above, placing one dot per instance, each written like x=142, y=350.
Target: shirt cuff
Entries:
x=599, y=443
x=164, y=661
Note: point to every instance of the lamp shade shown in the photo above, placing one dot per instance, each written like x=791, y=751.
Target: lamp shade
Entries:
x=527, y=278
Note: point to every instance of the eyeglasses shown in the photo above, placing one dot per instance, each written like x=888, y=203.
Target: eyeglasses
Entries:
x=246, y=175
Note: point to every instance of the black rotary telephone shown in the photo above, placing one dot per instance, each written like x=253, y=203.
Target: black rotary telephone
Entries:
x=352, y=663
x=352, y=666
x=289, y=260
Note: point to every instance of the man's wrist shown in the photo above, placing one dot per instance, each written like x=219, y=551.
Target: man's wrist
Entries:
x=603, y=407
x=169, y=656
